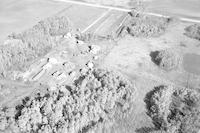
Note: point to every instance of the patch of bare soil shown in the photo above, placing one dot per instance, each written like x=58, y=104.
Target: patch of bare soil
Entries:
x=174, y=110
x=20, y=49
x=144, y=26
x=193, y=31
x=90, y=102
x=167, y=59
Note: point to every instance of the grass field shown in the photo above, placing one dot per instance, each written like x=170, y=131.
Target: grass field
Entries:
x=183, y=8
x=129, y=54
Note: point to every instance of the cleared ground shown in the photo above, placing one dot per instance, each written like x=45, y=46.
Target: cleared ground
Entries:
x=128, y=55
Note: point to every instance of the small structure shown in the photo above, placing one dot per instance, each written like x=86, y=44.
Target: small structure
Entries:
x=53, y=60
x=94, y=49
x=68, y=35
x=90, y=65
x=47, y=66
x=80, y=42
x=68, y=66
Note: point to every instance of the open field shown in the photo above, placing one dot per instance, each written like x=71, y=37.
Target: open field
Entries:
x=17, y=16
x=178, y=8
x=95, y=75
x=183, y=8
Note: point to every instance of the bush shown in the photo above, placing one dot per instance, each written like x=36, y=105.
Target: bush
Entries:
x=166, y=59
x=193, y=31
x=145, y=26
x=175, y=110
x=159, y=101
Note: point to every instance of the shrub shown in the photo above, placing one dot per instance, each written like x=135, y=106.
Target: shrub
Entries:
x=193, y=31
x=166, y=59
x=145, y=26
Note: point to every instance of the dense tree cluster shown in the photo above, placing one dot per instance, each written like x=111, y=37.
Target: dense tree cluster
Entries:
x=175, y=110
x=145, y=26
x=91, y=101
